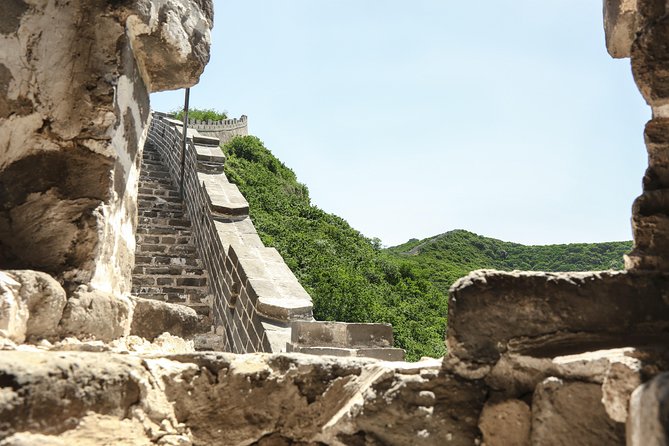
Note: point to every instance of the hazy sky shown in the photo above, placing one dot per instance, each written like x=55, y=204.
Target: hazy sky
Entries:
x=409, y=119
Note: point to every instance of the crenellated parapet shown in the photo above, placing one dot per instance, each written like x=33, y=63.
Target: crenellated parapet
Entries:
x=224, y=130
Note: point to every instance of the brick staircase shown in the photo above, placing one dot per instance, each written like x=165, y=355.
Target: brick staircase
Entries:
x=167, y=264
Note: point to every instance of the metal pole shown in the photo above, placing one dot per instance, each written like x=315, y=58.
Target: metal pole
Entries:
x=183, y=147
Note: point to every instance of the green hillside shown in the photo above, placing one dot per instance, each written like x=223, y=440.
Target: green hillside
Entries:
x=449, y=256
x=348, y=276
x=352, y=279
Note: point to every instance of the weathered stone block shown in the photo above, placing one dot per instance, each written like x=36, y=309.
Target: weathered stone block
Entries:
x=619, y=371
x=571, y=414
x=75, y=79
x=151, y=318
x=650, y=59
x=96, y=314
x=648, y=423
x=552, y=314
x=382, y=353
x=31, y=305
x=621, y=21
x=506, y=423
x=341, y=334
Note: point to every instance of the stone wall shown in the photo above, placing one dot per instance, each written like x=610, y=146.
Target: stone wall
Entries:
x=224, y=130
x=257, y=299
x=256, y=296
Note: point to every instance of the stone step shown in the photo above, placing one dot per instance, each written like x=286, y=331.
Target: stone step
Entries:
x=148, y=202
x=153, y=171
x=144, y=280
x=163, y=183
x=161, y=222
x=164, y=231
x=385, y=354
x=156, y=163
x=171, y=295
x=156, y=174
x=167, y=249
x=156, y=213
x=156, y=191
x=145, y=210
x=179, y=292
x=155, y=260
x=169, y=239
x=161, y=270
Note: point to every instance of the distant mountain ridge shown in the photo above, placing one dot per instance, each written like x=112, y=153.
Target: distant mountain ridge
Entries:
x=455, y=253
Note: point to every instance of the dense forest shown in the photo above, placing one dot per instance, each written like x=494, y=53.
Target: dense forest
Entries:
x=351, y=278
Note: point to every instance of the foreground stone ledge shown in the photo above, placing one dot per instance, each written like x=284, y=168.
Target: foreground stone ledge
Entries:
x=551, y=314
x=195, y=399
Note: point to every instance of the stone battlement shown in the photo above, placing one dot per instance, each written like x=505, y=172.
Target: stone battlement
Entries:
x=224, y=130
x=225, y=124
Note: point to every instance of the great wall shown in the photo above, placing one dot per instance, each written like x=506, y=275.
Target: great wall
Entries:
x=135, y=312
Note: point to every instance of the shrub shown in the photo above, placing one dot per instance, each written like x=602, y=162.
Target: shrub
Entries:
x=201, y=114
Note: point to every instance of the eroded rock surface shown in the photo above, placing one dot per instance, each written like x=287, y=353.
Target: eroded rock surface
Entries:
x=648, y=424
x=506, y=423
x=551, y=314
x=213, y=399
x=31, y=305
x=74, y=83
x=572, y=413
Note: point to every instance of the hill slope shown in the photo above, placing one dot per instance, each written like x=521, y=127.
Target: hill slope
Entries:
x=451, y=255
x=349, y=276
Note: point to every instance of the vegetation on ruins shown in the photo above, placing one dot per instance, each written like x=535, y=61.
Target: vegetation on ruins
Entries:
x=352, y=279
x=201, y=114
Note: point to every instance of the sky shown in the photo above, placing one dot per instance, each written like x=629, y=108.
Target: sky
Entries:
x=410, y=119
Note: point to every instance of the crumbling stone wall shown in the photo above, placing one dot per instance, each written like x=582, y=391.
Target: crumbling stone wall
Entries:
x=639, y=29
x=74, y=83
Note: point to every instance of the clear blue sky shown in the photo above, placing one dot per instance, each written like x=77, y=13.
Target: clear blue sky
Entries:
x=408, y=119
